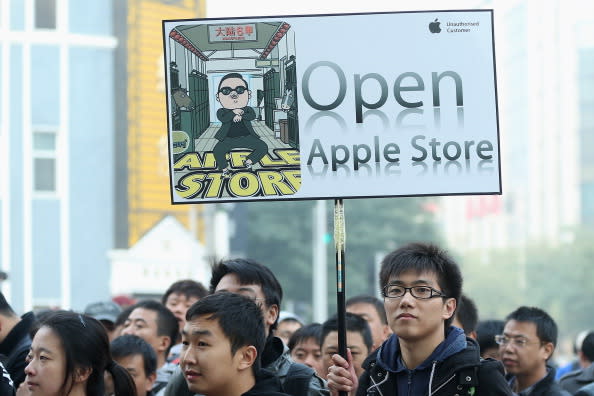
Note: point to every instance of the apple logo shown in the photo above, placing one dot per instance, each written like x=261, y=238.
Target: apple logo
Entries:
x=434, y=26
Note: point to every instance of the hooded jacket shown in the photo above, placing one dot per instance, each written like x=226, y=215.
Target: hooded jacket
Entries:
x=267, y=384
x=574, y=380
x=454, y=367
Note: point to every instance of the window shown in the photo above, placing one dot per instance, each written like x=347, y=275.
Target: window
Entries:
x=45, y=14
x=44, y=161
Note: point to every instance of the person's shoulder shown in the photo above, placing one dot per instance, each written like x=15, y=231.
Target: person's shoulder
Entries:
x=570, y=375
x=587, y=390
x=556, y=390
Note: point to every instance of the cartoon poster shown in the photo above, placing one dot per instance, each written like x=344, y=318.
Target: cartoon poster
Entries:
x=332, y=106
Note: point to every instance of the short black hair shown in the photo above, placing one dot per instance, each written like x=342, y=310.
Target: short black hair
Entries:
x=166, y=322
x=123, y=316
x=232, y=75
x=588, y=346
x=371, y=300
x=130, y=345
x=239, y=318
x=250, y=272
x=546, y=328
x=310, y=331
x=467, y=314
x=486, y=330
x=424, y=257
x=185, y=287
x=354, y=323
x=5, y=308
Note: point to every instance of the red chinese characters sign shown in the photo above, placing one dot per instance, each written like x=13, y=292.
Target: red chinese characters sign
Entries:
x=233, y=33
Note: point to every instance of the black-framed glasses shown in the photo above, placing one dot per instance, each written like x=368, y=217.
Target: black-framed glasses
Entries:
x=519, y=342
x=418, y=292
x=227, y=90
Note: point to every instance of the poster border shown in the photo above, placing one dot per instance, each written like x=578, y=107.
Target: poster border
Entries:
x=224, y=200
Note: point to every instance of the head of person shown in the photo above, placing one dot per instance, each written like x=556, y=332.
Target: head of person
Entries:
x=69, y=355
x=154, y=323
x=253, y=280
x=233, y=92
x=223, y=330
x=305, y=347
x=586, y=352
x=287, y=324
x=180, y=296
x=105, y=312
x=372, y=310
x=486, y=331
x=421, y=285
x=358, y=338
x=527, y=342
x=466, y=317
x=136, y=356
x=121, y=320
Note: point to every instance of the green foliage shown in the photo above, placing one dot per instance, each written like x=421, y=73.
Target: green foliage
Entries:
x=280, y=236
x=558, y=279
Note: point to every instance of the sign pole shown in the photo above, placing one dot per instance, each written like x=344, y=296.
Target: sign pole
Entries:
x=339, y=243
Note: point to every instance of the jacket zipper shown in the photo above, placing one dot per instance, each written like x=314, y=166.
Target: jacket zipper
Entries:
x=442, y=385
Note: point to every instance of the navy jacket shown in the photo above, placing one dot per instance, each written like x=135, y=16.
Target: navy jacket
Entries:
x=454, y=367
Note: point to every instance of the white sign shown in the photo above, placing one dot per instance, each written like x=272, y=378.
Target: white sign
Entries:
x=362, y=105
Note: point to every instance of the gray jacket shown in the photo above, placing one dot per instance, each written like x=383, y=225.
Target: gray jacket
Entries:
x=587, y=390
x=575, y=380
x=279, y=361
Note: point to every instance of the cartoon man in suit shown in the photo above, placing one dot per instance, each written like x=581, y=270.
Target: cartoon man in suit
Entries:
x=237, y=130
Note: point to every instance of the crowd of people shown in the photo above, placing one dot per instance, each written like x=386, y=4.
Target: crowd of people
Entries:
x=232, y=339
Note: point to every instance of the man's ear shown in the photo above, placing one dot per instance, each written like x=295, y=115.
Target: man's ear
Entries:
x=150, y=381
x=218, y=100
x=548, y=349
x=271, y=315
x=249, y=94
x=164, y=343
x=246, y=357
x=449, y=307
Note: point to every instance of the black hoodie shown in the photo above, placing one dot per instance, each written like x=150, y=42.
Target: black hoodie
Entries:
x=267, y=384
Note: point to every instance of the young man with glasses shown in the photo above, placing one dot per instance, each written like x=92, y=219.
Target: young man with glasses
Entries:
x=421, y=286
x=237, y=130
x=526, y=345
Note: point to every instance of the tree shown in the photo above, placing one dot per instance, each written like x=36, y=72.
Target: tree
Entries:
x=279, y=234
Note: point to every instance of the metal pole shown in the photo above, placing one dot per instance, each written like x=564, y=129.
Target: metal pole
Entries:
x=339, y=242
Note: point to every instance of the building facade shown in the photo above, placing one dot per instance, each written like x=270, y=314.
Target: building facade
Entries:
x=544, y=63
x=57, y=150
x=83, y=151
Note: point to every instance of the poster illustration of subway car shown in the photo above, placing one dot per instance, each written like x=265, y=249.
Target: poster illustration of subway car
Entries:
x=232, y=109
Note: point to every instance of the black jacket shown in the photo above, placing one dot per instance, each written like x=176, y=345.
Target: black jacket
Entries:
x=16, y=347
x=463, y=373
x=6, y=388
x=267, y=384
x=547, y=386
x=574, y=380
